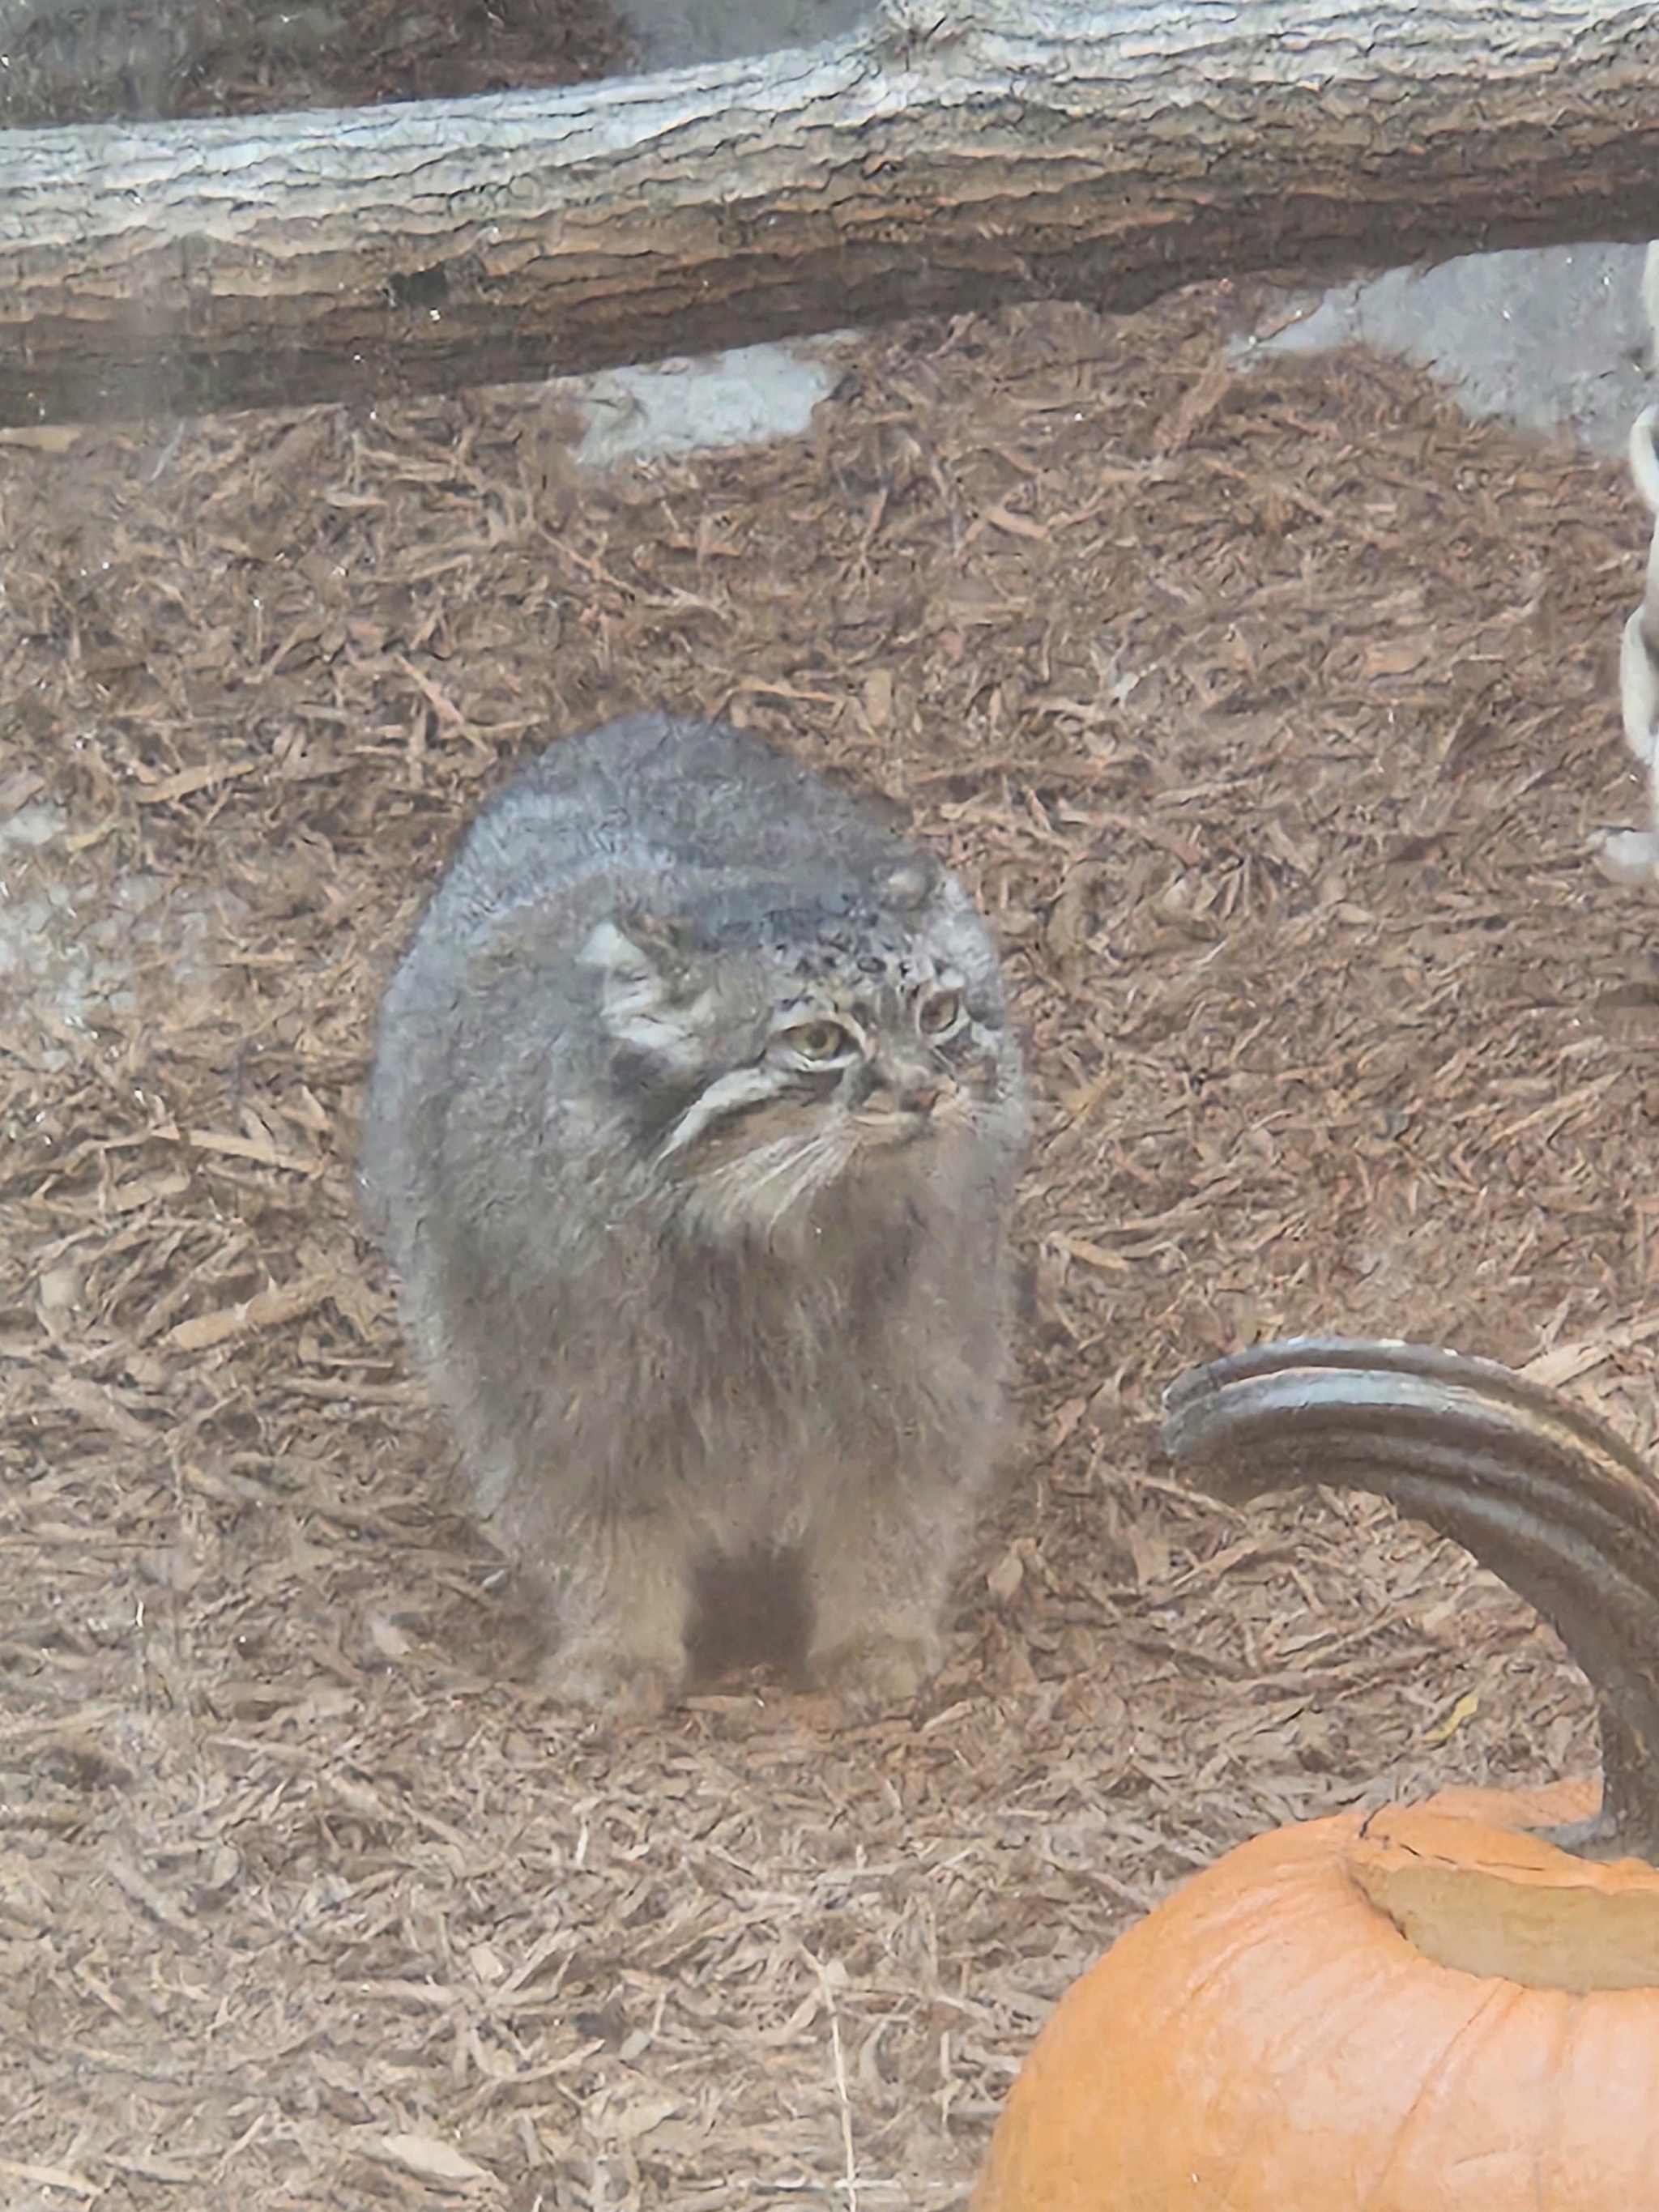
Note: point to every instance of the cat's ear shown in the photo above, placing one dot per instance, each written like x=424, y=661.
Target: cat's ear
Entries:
x=612, y=953
x=913, y=882
x=644, y=1002
x=633, y=943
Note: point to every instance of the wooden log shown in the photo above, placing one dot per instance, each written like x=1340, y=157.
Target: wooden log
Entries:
x=957, y=152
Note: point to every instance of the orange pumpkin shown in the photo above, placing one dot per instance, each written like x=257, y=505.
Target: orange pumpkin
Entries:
x=1436, y=2008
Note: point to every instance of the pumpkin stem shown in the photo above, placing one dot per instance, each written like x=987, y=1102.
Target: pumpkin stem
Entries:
x=1542, y=1494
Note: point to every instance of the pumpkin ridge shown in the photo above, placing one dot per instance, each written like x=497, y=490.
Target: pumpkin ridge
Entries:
x=1293, y=1902
x=1382, y=1982
x=1559, y=2074
x=1163, y=2010
x=1495, y=2007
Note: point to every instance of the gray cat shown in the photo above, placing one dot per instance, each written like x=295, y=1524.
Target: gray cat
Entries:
x=692, y=1133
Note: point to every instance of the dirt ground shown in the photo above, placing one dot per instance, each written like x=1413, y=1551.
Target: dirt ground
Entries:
x=1268, y=715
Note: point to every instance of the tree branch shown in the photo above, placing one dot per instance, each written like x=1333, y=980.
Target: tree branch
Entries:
x=1010, y=152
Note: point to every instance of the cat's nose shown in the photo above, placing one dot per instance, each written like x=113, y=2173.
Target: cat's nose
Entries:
x=919, y=1097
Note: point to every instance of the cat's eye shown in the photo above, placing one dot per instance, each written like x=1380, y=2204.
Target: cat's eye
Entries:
x=820, y=1042
x=941, y=1012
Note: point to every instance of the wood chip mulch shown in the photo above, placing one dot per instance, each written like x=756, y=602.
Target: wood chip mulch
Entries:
x=1268, y=711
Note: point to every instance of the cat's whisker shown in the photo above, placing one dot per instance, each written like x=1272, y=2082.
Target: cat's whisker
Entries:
x=818, y=1159
x=760, y=1189
x=730, y=1191
x=812, y=1177
x=752, y=1172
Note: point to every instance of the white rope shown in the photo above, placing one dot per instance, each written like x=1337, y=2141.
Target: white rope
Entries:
x=1631, y=856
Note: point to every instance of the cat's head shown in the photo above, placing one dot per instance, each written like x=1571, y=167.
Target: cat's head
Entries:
x=778, y=1043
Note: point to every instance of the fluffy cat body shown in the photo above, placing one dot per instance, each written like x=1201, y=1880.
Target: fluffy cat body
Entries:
x=692, y=1134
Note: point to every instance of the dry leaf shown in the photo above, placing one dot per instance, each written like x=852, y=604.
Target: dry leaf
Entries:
x=266, y=1310
x=1443, y=1731
x=431, y=2160
x=1005, y=1577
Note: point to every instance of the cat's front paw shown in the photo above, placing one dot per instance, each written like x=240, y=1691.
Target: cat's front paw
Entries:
x=879, y=1674
x=604, y=1679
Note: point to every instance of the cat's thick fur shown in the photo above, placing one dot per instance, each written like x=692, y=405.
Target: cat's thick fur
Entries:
x=692, y=1133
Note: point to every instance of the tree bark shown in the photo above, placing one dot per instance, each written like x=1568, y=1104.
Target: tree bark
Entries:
x=957, y=154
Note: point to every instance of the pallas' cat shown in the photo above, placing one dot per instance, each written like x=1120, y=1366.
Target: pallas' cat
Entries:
x=693, y=1127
